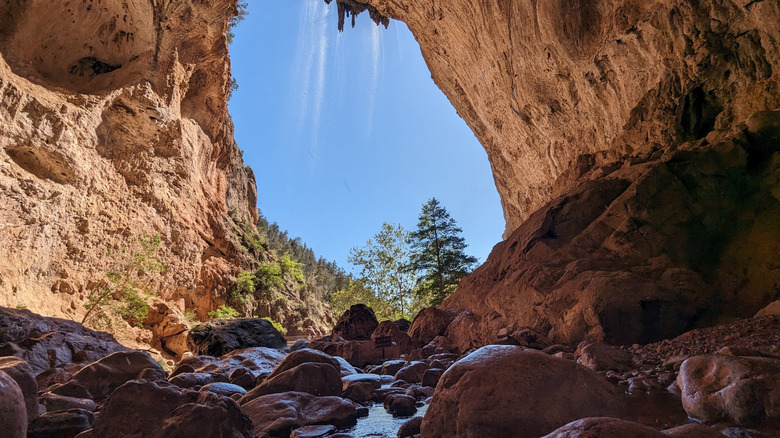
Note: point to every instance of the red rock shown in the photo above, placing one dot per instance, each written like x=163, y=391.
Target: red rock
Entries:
x=488, y=393
x=726, y=388
x=61, y=424
x=13, y=413
x=602, y=357
x=107, y=374
x=412, y=372
x=305, y=355
x=429, y=323
x=693, y=430
x=410, y=428
x=279, y=414
x=22, y=373
x=401, y=341
x=604, y=427
x=320, y=379
x=431, y=377
x=258, y=361
x=158, y=410
x=357, y=353
x=400, y=405
x=356, y=324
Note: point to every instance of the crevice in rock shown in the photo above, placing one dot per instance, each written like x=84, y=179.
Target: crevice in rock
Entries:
x=91, y=66
x=42, y=163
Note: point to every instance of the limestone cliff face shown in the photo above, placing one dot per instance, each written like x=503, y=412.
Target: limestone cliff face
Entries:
x=114, y=124
x=541, y=82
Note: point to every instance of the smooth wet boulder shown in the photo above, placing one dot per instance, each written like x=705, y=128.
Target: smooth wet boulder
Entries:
x=279, y=414
x=357, y=353
x=743, y=390
x=346, y=367
x=61, y=424
x=223, y=389
x=22, y=373
x=191, y=380
x=489, y=392
x=160, y=410
x=112, y=371
x=400, y=405
x=604, y=427
x=356, y=324
x=305, y=355
x=13, y=411
x=412, y=372
x=216, y=338
x=320, y=379
x=392, y=366
x=257, y=361
x=429, y=323
x=431, y=377
x=46, y=343
x=319, y=431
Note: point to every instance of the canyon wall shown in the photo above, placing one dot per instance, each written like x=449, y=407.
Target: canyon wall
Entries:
x=114, y=131
x=636, y=149
x=542, y=82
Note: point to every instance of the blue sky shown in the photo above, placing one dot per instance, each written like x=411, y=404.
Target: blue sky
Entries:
x=346, y=131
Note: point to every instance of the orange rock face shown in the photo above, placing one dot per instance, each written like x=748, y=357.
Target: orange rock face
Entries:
x=542, y=82
x=114, y=124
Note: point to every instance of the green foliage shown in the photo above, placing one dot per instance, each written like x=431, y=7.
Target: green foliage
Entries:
x=223, y=312
x=190, y=316
x=245, y=287
x=438, y=253
x=135, y=272
x=291, y=268
x=383, y=263
x=277, y=325
x=21, y=306
x=269, y=276
x=242, y=11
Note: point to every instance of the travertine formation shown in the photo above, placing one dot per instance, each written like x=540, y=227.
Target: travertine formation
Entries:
x=542, y=82
x=114, y=126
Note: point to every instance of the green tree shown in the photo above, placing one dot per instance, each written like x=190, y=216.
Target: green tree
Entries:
x=438, y=253
x=384, y=261
x=357, y=292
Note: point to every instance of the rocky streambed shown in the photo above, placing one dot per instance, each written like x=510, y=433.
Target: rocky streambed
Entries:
x=59, y=379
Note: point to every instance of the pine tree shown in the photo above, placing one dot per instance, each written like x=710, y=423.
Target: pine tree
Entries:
x=438, y=252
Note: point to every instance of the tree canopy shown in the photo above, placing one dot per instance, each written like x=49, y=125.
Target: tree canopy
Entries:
x=437, y=253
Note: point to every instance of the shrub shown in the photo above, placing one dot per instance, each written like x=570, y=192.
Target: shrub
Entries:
x=269, y=276
x=291, y=268
x=245, y=287
x=277, y=325
x=223, y=312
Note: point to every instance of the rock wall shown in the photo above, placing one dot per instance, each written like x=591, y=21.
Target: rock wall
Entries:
x=635, y=148
x=114, y=125
x=542, y=82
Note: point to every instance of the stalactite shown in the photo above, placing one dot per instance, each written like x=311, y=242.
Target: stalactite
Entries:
x=353, y=8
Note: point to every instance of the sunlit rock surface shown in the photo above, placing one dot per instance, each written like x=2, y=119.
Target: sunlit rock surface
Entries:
x=114, y=124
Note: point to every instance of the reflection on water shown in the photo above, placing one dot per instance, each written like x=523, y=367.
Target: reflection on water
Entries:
x=381, y=424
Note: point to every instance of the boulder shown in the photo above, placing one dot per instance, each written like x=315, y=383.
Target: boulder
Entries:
x=169, y=327
x=602, y=357
x=356, y=324
x=401, y=341
x=743, y=390
x=278, y=414
x=46, y=343
x=429, y=323
x=258, y=361
x=223, y=389
x=313, y=431
x=61, y=424
x=191, y=380
x=438, y=345
x=357, y=353
x=319, y=379
x=410, y=428
x=693, y=430
x=107, y=374
x=412, y=372
x=55, y=402
x=604, y=427
x=465, y=334
x=159, y=410
x=373, y=379
x=217, y=338
x=487, y=393
x=346, y=367
x=13, y=411
x=305, y=355
x=299, y=344
x=391, y=367
x=400, y=405
x=403, y=324
x=22, y=373
x=358, y=392
x=431, y=377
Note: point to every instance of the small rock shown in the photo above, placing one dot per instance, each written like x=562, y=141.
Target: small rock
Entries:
x=224, y=389
x=56, y=402
x=412, y=372
x=313, y=431
x=299, y=344
x=602, y=357
x=604, y=427
x=692, y=430
x=431, y=377
x=278, y=414
x=400, y=405
x=392, y=366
